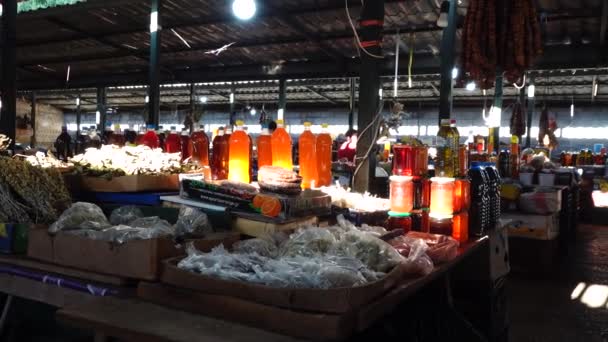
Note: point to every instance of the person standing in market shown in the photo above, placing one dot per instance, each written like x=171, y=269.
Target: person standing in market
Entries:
x=63, y=145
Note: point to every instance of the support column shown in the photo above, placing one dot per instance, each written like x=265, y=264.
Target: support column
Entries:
x=530, y=114
x=282, y=99
x=370, y=31
x=101, y=108
x=8, y=86
x=155, y=28
x=447, y=64
x=351, y=103
x=33, y=116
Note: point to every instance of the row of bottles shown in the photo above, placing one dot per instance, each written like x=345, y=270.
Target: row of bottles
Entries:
x=232, y=154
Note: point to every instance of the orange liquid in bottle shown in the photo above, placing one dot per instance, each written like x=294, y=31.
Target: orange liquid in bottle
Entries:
x=307, y=145
x=173, y=143
x=218, y=169
x=264, y=149
x=239, y=154
x=200, y=147
x=281, y=147
x=324, y=145
x=150, y=139
x=187, y=147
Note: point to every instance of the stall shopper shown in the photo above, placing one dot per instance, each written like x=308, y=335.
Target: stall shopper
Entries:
x=348, y=149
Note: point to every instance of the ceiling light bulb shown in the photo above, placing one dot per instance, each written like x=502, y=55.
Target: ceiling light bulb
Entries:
x=531, y=90
x=203, y=99
x=596, y=88
x=572, y=110
x=97, y=117
x=442, y=21
x=244, y=9
x=147, y=99
x=231, y=97
x=380, y=92
x=153, y=22
x=455, y=73
x=78, y=101
x=252, y=111
x=471, y=86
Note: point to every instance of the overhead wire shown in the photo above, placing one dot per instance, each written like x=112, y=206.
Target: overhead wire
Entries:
x=357, y=39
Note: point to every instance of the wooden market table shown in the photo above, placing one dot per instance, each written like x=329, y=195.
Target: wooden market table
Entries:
x=128, y=318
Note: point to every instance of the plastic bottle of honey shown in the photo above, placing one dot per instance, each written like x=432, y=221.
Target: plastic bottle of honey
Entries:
x=239, y=155
x=150, y=139
x=324, y=146
x=307, y=145
x=186, y=145
x=219, y=170
x=173, y=143
x=200, y=147
x=264, y=149
x=281, y=147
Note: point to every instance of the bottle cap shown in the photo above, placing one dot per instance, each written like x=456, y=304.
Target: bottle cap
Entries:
x=307, y=124
x=150, y=126
x=280, y=122
x=514, y=139
x=240, y=122
x=324, y=125
x=173, y=128
x=452, y=121
x=445, y=121
x=117, y=127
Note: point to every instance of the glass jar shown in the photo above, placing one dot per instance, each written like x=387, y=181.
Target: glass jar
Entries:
x=402, y=160
x=420, y=161
x=399, y=221
x=422, y=193
x=460, y=227
x=442, y=197
x=416, y=216
x=441, y=225
x=462, y=195
x=402, y=194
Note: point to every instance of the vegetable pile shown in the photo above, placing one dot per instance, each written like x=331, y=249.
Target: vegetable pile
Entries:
x=113, y=161
x=506, y=37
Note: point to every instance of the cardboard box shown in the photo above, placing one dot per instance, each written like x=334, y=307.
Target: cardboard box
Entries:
x=539, y=227
x=136, y=183
x=336, y=300
x=259, y=228
x=138, y=259
x=307, y=325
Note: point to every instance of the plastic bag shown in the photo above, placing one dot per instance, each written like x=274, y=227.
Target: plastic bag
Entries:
x=308, y=242
x=373, y=252
x=417, y=262
x=153, y=222
x=262, y=246
x=192, y=223
x=125, y=215
x=80, y=215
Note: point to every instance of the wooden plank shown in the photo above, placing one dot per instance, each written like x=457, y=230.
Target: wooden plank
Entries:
x=132, y=320
x=300, y=324
x=21, y=261
x=44, y=293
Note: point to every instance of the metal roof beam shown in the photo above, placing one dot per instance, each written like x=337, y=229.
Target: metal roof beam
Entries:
x=323, y=96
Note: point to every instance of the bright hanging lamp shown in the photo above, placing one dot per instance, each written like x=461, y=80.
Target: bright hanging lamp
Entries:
x=244, y=9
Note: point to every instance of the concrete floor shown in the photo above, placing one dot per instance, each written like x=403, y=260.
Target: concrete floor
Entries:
x=568, y=304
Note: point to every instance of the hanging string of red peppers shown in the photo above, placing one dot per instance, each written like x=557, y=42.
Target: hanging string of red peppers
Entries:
x=500, y=34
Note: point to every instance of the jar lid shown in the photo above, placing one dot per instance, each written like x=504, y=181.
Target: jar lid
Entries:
x=396, y=214
x=401, y=178
x=442, y=180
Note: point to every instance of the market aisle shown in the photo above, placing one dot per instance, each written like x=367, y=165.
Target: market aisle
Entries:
x=571, y=303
